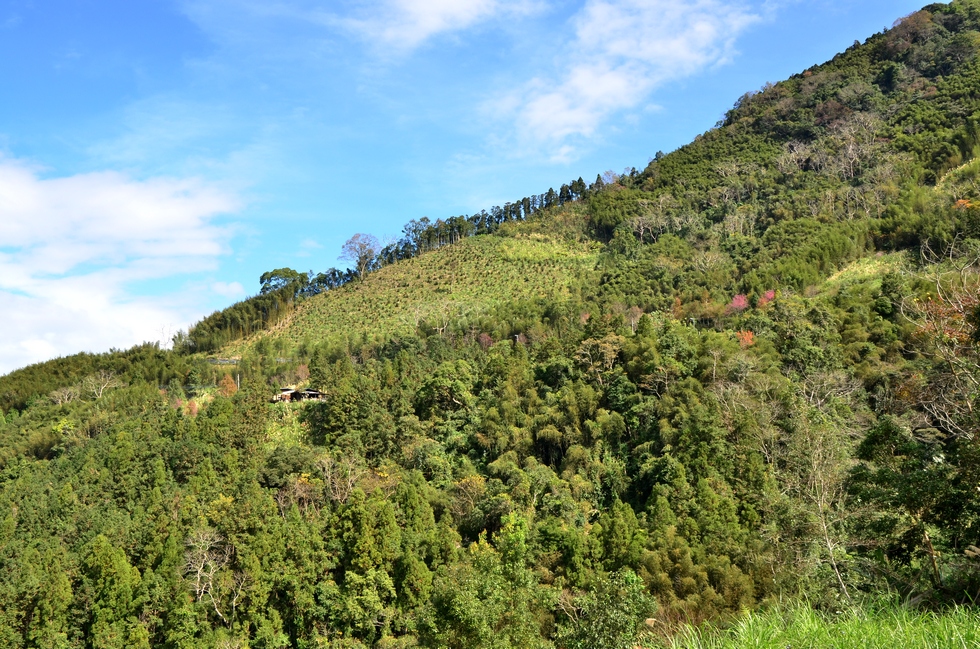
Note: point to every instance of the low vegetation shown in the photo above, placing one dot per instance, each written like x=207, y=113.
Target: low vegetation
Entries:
x=459, y=284
x=871, y=628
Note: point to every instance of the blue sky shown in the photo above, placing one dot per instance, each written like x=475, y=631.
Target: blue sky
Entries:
x=157, y=156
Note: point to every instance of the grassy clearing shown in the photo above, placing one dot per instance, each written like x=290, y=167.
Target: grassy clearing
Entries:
x=870, y=267
x=462, y=280
x=800, y=627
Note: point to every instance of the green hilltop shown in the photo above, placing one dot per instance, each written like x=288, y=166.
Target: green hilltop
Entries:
x=737, y=389
x=459, y=283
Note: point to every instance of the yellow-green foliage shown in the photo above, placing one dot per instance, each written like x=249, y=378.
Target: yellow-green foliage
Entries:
x=283, y=427
x=870, y=267
x=466, y=279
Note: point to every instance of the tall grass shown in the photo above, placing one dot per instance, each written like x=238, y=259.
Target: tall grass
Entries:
x=889, y=626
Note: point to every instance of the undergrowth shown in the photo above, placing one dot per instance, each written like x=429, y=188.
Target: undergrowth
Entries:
x=888, y=626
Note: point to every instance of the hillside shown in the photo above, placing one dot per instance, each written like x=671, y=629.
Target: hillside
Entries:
x=454, y=284
x=746, y=375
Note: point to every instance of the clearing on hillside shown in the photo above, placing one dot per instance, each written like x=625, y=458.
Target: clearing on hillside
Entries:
x=465, y=279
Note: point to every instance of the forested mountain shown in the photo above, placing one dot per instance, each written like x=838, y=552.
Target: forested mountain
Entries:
x=746, y=374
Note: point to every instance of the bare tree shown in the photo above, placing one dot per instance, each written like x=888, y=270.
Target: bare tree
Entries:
x=811, y=463
x=230, y=643
x=633, y=315
x=823, y=472
x=599, y=356
x=946, y=329
x=65, y=395
x=795, y=157
x=341, y=475
x=298, y=491
x=655, y=217
x=741, y=220
x=466, y=495
x=856, y=143
x=97, y=384
x=821, y=388
x=360, y=250
x=240, y=580
x=207, y=554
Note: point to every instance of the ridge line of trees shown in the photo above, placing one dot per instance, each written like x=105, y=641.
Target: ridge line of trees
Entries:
x=281, y=288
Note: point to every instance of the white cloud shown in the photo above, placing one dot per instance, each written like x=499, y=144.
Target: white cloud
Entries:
x=398, y=25
x=71, y=246
x=307, y=247
x=621, y=51
x=228, y=289
x=405, y=24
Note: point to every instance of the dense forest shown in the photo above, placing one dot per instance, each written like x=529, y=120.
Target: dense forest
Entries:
x=748, y=374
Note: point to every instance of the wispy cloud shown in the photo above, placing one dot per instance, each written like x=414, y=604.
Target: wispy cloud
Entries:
x=231, y=290
x=393, y=25
x=10, y=21
x=406, y=24
x=620, y=52
x=70, y=247
x=307, y=247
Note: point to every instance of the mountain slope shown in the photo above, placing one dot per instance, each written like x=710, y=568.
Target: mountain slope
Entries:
x=461, y=281
x=748, y=373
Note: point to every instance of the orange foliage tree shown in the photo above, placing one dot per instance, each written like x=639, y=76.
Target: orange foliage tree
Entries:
x=227, y=386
